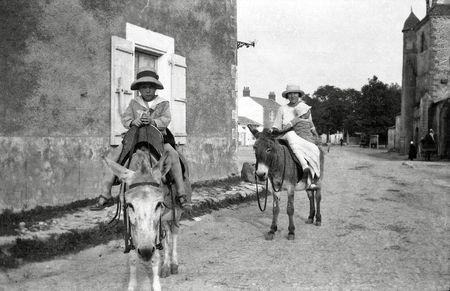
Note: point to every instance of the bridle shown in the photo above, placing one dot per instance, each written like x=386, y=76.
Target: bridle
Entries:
x=271, y=181
x=161, y=231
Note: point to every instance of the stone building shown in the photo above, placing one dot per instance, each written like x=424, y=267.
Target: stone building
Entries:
x=65, y=75
x=425, y=79
x=262, y=111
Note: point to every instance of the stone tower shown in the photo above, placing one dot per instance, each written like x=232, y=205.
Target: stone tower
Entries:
x=408, y=81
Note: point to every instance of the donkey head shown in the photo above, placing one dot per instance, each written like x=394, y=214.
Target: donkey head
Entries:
x=266, y=148
x=144, y=201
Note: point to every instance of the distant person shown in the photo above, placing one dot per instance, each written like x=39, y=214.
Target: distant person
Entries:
x=429, y=144
x=412, y=151
x=341, y=141
x=328, y=146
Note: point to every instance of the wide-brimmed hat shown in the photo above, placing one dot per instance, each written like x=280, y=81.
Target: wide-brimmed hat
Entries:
x=292, y=89
x=146, y=75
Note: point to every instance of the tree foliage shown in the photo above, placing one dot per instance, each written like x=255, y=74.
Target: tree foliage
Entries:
x=371, y=110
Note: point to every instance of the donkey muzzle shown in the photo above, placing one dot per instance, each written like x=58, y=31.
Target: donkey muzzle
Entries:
x=261, y=176
x=146, y=253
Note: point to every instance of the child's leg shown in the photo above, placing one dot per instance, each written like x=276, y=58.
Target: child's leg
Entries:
x=177, y=173
x=108, y=179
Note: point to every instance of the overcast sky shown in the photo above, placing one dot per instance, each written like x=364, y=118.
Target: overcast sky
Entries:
x=319, y=42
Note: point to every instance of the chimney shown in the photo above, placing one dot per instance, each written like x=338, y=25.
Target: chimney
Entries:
x=272, y=96
x=246, y=92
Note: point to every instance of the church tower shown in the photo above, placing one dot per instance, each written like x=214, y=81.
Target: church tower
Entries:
x=408, y=81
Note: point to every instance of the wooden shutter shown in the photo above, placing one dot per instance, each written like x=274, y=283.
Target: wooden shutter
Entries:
x=122, y=75
x=178, y=99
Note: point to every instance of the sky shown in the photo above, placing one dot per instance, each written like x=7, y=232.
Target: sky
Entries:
x=314, y=43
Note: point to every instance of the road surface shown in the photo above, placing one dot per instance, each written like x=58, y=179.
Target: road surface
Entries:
x=384, y=226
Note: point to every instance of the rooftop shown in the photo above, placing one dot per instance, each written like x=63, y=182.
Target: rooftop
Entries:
x=242, y=120
x=410, y=22
x=266, y=103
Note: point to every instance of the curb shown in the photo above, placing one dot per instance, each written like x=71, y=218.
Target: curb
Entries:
x=39, y=246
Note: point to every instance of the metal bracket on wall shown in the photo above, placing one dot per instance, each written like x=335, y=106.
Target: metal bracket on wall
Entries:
x=246, y=44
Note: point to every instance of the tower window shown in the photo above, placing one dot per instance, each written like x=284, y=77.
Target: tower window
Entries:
x=423, y=43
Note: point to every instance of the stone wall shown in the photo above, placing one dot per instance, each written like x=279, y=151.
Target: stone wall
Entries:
x=440, y=57
x=55, y=83
x=440, y=27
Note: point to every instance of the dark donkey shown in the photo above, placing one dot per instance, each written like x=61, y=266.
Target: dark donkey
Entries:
x=275, y=162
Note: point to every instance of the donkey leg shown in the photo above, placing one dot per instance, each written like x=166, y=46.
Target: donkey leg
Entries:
x=165, y=269
x=174, y=260
x=312, y=209
x=290, y=213
x=318, y=195
x=275, y=212
x=133, y=261
x=156, y=261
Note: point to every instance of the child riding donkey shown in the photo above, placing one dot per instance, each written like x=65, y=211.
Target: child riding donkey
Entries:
x=146, y=109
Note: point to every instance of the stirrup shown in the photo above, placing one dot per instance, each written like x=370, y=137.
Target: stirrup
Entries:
x=183, y=202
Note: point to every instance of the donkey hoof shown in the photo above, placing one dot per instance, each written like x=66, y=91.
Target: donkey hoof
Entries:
x=291, y=236
x=269, y=236
x=318, y=223
x=165, y=271
x=173, y=269
x=309, y=221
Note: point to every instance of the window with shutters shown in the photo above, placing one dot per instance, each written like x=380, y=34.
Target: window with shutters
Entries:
x=145, y=48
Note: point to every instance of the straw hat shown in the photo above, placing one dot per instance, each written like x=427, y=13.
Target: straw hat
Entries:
x=292, y=89
x=146, y=75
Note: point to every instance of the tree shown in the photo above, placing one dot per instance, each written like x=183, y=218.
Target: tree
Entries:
x=334, y=105
x=375, y=109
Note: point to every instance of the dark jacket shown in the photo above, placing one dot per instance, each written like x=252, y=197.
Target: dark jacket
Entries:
x=412, y=151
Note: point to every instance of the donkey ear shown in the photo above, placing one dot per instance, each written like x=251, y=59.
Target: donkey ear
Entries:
x=161, y=168
x=124, y=174
x=253, y=130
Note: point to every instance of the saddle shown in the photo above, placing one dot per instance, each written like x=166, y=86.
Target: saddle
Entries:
x=150, y=137
x=294, y=157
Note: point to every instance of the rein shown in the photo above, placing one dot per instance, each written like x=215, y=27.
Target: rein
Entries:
x=282, y=175
x=271, y=181
x=161, y=234
x=143, y=184
x=257, y=194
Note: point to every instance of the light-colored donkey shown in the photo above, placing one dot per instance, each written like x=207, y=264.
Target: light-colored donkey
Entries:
x=151, y=221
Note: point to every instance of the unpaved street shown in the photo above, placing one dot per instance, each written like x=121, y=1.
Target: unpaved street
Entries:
x=384, y=226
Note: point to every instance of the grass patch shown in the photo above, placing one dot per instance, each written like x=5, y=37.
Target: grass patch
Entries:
x=70, y=242
x=227, y=183
x=9, y=220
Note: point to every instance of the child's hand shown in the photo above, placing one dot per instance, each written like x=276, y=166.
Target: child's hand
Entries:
x=137, y=122
x=145, y=119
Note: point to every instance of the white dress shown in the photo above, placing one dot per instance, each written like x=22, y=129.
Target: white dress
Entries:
x=306, y=151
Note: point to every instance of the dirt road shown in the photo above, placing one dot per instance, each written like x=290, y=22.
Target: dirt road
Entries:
x=384, y=226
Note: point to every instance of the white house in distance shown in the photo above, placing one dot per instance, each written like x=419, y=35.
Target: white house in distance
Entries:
x=257, y=111
x=246, y=138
